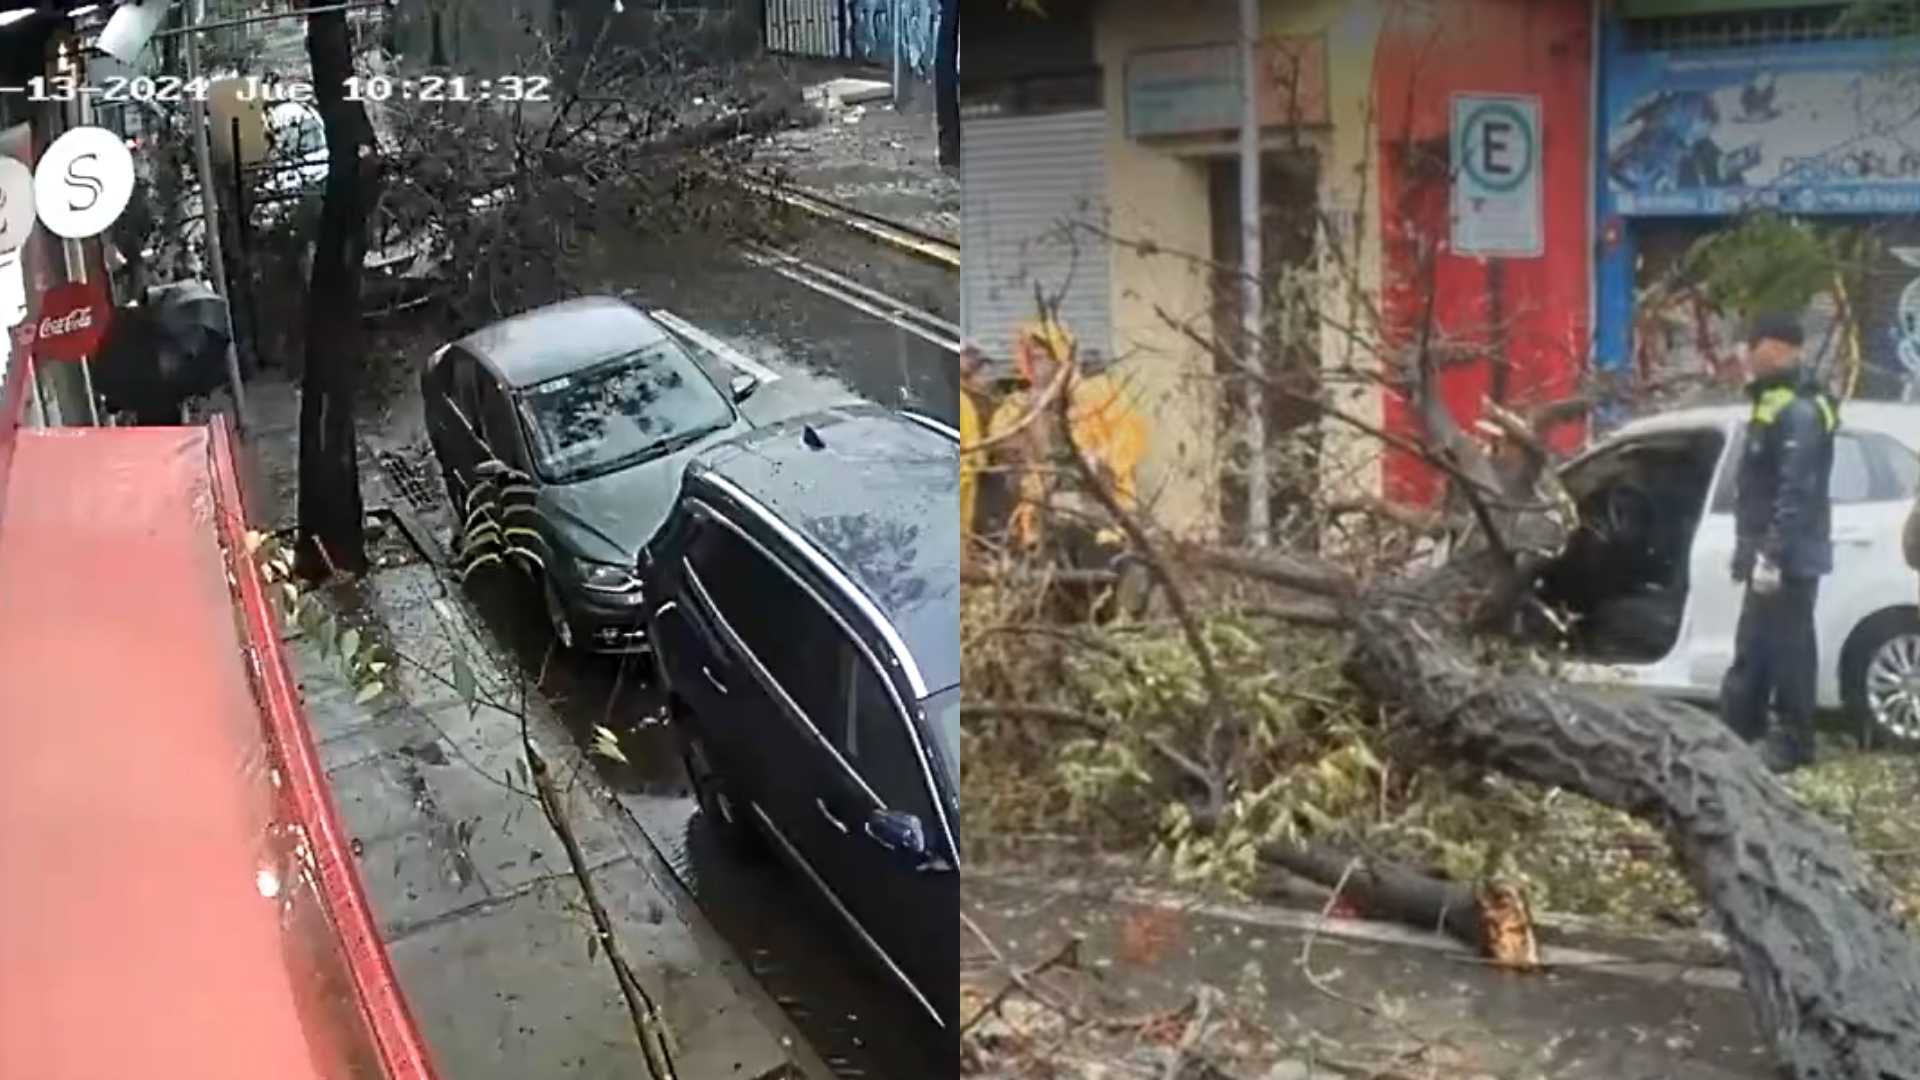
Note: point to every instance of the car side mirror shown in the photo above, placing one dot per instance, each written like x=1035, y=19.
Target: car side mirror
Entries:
x=898, y=832
x=743, y=387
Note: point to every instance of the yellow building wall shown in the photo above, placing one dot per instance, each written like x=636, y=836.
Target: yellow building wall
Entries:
x=1159, y=217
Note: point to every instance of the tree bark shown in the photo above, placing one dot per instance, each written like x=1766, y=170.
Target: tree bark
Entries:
x=946, y=83
x=331, y=534
x=1833, y=974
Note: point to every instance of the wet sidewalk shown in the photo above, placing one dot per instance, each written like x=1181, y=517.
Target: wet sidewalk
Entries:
x=1363, y=997
x=485, y=922
x=483, y=918
x=868, y=155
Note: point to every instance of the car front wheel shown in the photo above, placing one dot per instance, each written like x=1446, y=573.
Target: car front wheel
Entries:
x=1880, y=677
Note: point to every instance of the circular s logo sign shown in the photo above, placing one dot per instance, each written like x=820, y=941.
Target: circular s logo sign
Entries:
x=16, y=205
x=82, y=183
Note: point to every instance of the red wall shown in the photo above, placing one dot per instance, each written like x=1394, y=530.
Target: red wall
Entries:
x=1427, y=53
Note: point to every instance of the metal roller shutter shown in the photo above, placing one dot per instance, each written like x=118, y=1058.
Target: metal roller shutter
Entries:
x=1023, y=181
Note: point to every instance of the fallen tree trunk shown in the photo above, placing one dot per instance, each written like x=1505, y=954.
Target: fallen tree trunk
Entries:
x=1830, y=967
x=1833, y=974
x=1389, y=893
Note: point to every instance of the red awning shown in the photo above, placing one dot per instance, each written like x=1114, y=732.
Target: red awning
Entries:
x=175, y=899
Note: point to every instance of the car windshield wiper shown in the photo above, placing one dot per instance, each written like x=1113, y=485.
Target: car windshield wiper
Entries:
x=663, y=447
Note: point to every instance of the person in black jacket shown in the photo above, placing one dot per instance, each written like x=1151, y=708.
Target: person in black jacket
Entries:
x=1783, y=524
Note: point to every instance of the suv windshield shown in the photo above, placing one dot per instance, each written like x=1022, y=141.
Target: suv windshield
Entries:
x=943, y=712
x=620, y=413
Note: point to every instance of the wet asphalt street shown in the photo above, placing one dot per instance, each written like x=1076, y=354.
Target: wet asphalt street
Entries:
x=811, y=351
x=822, y=342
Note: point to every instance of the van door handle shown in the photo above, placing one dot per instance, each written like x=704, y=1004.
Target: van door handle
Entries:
x=712, y=679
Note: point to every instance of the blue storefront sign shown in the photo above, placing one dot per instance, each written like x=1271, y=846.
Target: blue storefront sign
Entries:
x=1808, y=128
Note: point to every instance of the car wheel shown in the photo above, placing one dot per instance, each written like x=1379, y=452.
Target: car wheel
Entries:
x=720, y=807
x=1880, y=677
x=557, y=614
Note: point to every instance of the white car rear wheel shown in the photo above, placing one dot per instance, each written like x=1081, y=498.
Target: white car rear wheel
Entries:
x=1880, y=677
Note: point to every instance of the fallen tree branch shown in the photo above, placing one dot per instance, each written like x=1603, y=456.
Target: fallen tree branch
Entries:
x=1065, y=958
x=1182, y=762
x=649, y=1026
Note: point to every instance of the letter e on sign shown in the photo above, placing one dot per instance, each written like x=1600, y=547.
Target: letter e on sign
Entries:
x=71, y=323
x=1497, y=189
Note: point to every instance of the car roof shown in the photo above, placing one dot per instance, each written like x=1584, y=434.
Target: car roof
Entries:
x=879, y=498
x=1894, y=419
x=559, y=339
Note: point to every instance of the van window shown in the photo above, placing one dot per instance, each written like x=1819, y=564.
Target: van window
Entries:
x=877, y=742
x=780, y=624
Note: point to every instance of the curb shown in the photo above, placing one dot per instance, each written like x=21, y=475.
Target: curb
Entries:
x=922, y=245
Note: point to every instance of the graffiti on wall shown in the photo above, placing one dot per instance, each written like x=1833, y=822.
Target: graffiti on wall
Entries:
x=873, y=30
x=1889, y=317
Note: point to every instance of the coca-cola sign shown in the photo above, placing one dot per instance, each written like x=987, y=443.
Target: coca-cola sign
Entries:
x=71, y=323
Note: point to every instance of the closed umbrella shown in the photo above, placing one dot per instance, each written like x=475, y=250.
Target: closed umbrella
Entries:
x=159, y=355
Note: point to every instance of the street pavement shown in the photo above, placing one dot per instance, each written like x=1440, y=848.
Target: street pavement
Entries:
x=870, y=156
x=770, y=317
x=1351, y=989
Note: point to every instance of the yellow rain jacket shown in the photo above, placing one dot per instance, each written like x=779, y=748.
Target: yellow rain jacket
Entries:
x=1104, y=425
x=969, y=462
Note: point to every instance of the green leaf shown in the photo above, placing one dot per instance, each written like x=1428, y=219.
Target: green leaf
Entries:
x=593, y=946
x=464, y=684
x=349, y=645
x=369, y=692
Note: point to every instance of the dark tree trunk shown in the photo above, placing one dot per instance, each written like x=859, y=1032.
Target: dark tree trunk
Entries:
x=331, y=534
x=1833, y=974
x=946, y=83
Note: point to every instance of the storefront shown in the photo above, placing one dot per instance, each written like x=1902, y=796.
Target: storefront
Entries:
x=1770, y=116
x=1032, y=191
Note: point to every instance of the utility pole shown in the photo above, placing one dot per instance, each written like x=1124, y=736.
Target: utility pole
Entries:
x=896, y=10
x=209, y=206
x=75, y=253
x=1252, y=288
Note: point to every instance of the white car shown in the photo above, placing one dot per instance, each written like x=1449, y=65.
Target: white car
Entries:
x=1648, y=580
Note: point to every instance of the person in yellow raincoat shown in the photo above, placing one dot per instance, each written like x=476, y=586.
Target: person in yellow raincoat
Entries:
x=971, y=433
x=1103, y=423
